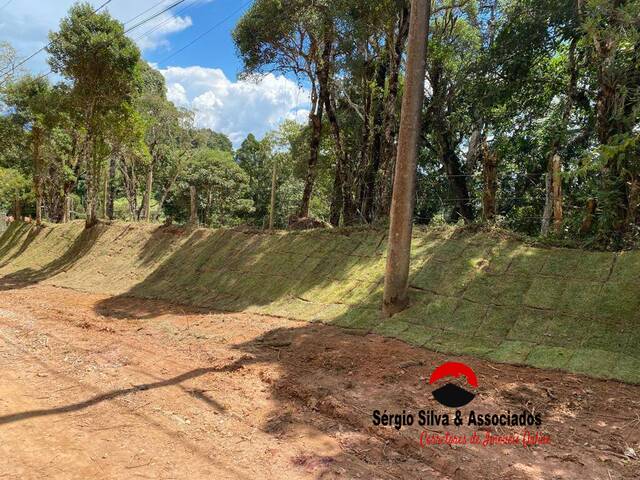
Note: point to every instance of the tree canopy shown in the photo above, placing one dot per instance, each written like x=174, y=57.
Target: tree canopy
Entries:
x=530, y=121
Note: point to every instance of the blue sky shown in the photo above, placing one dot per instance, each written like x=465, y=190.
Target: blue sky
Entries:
x=202, y=77
x=214, y=50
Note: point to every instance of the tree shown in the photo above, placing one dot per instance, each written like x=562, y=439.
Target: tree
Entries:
x=14, y=191
x=285, y=36
x=253, y=158
x=161, y=130
x=222, y=188
x=92, y=51
x=205, y=137
x=7, y=64
x=34, y=108
x=613, y=38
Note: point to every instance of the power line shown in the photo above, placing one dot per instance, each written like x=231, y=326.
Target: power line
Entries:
x=198, y=38
x=165, y=21
x=206, y=32
x=13, y=68
x=155, y=15
x=5, y=5
x=145, y=11
x=95, y=11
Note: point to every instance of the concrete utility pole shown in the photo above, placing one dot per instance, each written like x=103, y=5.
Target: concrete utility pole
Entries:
x=396, y=280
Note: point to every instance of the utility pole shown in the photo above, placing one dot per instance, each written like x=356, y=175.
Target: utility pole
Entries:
x=396, y=279
x=272, y=209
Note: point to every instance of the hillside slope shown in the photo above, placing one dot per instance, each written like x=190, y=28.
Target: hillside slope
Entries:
x=472, y=293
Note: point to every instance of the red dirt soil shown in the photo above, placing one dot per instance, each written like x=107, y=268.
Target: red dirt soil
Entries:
x=100, y=387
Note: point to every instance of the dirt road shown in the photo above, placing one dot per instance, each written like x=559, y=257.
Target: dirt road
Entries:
x=98, y=387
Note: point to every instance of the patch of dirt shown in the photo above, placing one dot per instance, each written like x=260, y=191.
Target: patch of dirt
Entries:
x=152, y=390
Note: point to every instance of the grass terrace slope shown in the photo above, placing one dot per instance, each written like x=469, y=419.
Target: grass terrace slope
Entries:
x=480, y=294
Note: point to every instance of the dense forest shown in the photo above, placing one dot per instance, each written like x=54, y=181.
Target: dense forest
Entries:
x=531, y=121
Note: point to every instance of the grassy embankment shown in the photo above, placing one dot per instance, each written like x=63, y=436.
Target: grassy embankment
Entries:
x=472, y=293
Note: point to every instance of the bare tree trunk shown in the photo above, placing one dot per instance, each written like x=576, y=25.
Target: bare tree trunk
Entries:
x=556, y=167
x=368, y=203
x=113, y=162
x=634, y=200
x=336, y=198
x=66, y=207
x=490, y=177
x=396, y=280
x=17, y=208
x=272, y=207
x=92, y=188
x=105, y=192
x=458, y=183
x=547, y=212
x=193, y=218
x=130, y=187
x=92, y=217
x=37, y=172
x=315, y=122
x=553, y=182
x=365, y=174
x=587, y=220
x=388, y=155
x=147, y=194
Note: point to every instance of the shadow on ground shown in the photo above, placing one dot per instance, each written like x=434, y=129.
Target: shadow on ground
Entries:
x=476, y=293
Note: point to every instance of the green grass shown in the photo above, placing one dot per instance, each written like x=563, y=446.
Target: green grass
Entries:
x=479, y=294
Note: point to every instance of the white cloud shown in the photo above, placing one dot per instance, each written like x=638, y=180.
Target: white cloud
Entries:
x=26, y=23
x=236, y=108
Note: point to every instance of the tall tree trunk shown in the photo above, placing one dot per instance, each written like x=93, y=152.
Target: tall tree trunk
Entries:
x=130, y=188
x=193, y=217
x=368, y=204
x=315, y=124
x=335, y=209
x=553, y=182
x=342, y=171
x=490, y=177
x=105, y=192
x=458, y=184
x=113, y=162
x=91, y=209
x=17, y=208
x=92, y=188
x=390, y=122
x=547, y=212
x=147, y=194
x=66, y=207
x=557, y=193
x=37, y=171
x=341, y=180
x=396, y=280
x=368, y=165
x=634, y=201
x=272, y=203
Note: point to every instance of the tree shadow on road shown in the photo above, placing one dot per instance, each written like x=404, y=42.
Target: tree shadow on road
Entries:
x=113, y=394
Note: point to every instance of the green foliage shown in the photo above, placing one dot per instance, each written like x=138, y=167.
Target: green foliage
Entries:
x=92, y=51
x=13, y=186
x=518, y=81
x=222, y=188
